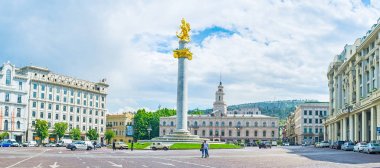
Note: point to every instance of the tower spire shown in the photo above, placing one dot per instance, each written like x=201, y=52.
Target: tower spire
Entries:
x=220, y=78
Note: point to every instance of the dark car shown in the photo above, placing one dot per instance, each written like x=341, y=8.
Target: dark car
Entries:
x=265, y=145
x=338, y=145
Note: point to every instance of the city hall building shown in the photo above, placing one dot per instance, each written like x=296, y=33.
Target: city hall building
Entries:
x=32, y=92
x=244, y=125
x=354, y=83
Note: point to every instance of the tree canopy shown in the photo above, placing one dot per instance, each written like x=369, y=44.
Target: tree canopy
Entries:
x=75, y=134
x=42, y=129
x=3, y=135
x=109, y=134
x=60, y=129
x=143, y=119
x=92, y=134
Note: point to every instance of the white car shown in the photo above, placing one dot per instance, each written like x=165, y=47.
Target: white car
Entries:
x=324, y=144
x=64, y=142
x=286, y=144
x=159, y=145
x=79, y=145
x=372, y=148
x=360, y=146
x=30, y=144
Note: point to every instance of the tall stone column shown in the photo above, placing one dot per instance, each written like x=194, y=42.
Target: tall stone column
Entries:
x=377, y=120
x=364, y=126
x=351, y=127
x=373, y=123
x=344, y=128
x=356, y=127
x=182, y=93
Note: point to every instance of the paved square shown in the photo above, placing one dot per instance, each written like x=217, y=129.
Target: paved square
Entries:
x=294, y=156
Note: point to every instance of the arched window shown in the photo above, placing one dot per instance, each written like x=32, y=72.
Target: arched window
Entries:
x=247, y=124
x=210, y=123
x=195, y=123
x=246, y=133
x=18, y=125
x=273, y=124
x=163, y=132
x=204, y=123
x=216, y=133
x=256, y=124
x=217, y=124
x=164, y=123
x=6, y=125
x=8, y=78
x=171, y=123
x=230, y=124
x=264, y=133
x=222, y=123
x=210, y=133
x=239, y=124
x=264, y=124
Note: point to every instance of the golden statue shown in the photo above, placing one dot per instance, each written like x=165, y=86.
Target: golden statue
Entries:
x=185, y=29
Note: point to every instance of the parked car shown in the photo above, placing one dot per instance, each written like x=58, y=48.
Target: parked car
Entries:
x=372, y=148
x=50, y=145
x=159, y=145
x=274, y=143
x=265, y=145
x=348, y=146
x=286, y=144
x=338, y=145
x=13, y=142
x=324, y=144
x=64, y=142
x=30, y=144
x=5, y=143
x=316, y=144
x=359, y=146
x=79, y=145
x=121, y=145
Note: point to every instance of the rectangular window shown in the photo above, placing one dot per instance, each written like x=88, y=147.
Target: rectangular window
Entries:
x=65, y=99
x=310, y=112
x=305, y=112
x=49, y=115
x=42, y=96
x=64, y=108
x=57, y=98
x=84, y=111
x=35, y=86
x=304, y=120
x=57, y=107
x=50, y=89
x=310, y=121
x=7, y=97
x=316, y=113
x=316, y=121
x=64, y=91
x=50, y=97
x=71, y=109
x=49, y=106
x=19, y=85
x=71, y=100
x=42, y=87
x=58, y=90
x=310, y=130
x=77, y=118
x=34, y=94
x=18, y=112
x=42, y=105
x=316, y=130
x=19, y=99
x=64, y=117
x=71, y=118
x=324, y=113
x=34, y=104
x=41, y=115
x=305, y=130
x=78, y=110
x=78, y=101
x=57, y=116
x=33, y=114
x=84, y=119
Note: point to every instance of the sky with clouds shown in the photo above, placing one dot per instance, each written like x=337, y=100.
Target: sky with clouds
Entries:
x=265, y=49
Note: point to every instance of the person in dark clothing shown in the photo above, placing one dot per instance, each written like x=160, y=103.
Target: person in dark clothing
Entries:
x=94, y=145
x=203, y=149
x=114, y=145
x=132, y=146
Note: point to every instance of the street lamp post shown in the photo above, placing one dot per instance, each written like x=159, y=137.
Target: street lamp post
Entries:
x=149, y=129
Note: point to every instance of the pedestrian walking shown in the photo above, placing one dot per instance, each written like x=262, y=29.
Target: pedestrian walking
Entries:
x=94, y=145
x=205, y=146
x=114, y=145
x=203, y=149
x=132, y=146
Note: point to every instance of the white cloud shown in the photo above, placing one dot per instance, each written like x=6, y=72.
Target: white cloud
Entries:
x=281, y=49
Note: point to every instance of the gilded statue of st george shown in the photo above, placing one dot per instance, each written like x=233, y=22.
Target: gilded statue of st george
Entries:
x=185, y=29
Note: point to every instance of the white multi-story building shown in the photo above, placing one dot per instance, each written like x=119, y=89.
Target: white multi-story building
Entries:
x=354, y=80
x=220, y=126
x=251, y=110
x=52, y=97
x=13, y=102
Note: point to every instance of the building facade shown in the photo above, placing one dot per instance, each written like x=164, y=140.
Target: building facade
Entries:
x=122, y=125
x=353, y=78
x=13, y=102
x=220, y=126
x=308, y=123
x=41, y=94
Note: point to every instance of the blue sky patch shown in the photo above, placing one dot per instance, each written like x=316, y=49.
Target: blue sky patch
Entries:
x=199, y=36
x=366, y=2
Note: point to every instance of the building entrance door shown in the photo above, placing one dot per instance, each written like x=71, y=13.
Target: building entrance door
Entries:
x=18, y=138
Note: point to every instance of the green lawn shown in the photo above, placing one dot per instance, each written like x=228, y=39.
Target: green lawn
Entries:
x=184, y=146
x=139, y=145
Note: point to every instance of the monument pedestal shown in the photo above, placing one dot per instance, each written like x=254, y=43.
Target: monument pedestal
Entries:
x=179, y=136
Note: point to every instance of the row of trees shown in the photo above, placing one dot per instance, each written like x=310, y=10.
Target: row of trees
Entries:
x=60, y=129
x=144, y=120
x=4, y=135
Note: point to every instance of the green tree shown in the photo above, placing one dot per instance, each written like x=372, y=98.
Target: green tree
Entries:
x=92, y=134
x=3, y=135
x=75, y=134
x=42, y=129
x=109, y=134
x=143, y=119
x=60, y=129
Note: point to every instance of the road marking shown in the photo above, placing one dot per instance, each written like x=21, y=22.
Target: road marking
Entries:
x=54, y=165
x=167, y=164
x=114, y=164
x=28, y=158
x=38, y=166
x=186, y=162
x=144, y=165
